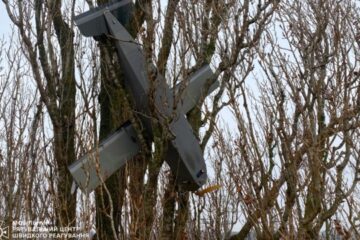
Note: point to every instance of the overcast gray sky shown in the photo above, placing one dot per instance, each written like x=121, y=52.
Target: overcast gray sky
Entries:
x=5, y=27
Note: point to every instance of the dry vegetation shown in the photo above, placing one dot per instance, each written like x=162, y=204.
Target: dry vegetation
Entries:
x=280, y=135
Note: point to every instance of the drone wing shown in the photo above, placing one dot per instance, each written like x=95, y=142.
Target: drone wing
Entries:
x=94, y=168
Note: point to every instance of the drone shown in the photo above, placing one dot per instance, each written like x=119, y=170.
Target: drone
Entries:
x=184, y=154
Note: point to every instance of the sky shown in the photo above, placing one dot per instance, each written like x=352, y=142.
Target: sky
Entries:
x=5, y=26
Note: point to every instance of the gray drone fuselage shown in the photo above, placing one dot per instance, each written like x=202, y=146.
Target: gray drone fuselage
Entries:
x=184, y=154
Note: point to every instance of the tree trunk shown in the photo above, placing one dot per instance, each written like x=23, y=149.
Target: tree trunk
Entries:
x=113, y=102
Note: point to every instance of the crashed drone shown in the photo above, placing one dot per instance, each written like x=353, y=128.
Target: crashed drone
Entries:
x=184, y=154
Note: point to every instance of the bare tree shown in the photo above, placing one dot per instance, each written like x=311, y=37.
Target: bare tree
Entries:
x=21, y=154
x=190, y=32
x=280, y=134
x=298, y=134
x=48, y=45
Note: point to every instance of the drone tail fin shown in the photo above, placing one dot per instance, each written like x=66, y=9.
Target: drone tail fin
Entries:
x=92, y=23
